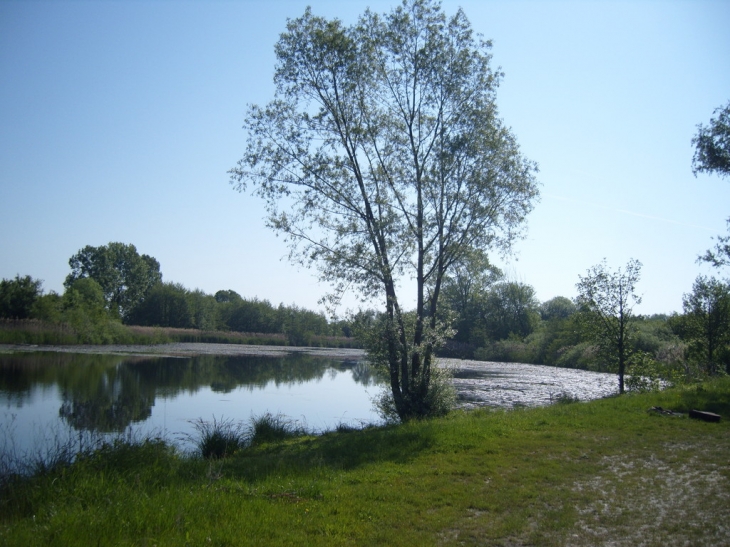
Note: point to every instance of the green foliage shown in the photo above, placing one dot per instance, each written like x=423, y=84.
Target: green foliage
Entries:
x=644, y=373
x=124, y=276
x=464, y=292
x=18, y=296
x=557, y=309
x=510, y=310
x=712, y=145
x=367, y=195
x=720, y=256
x=606, y=299
x=706, y=324
x=166, y=305
x=85, y=311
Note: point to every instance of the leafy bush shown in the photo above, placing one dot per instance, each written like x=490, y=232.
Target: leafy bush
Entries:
x=439, y=400
x=644, y=373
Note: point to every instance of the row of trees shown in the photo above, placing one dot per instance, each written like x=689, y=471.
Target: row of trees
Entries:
x=503, y=321
x=113, y=284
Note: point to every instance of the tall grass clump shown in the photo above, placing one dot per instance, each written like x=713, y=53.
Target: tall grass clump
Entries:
x=218, y=438
x=271, y=428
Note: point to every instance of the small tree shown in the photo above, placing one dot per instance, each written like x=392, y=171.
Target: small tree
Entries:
x=707, y=319
x=382, y=157
x=607, y=299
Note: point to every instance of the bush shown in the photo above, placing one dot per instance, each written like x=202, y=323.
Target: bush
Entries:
x=439, y=400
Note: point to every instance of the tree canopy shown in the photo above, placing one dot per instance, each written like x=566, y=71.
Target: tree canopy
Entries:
x=712, y=145
x=123, y=274
x=712, y=155
x=382, y=157
x=18, y=295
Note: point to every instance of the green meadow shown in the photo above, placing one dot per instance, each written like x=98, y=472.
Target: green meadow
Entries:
x=607, y=472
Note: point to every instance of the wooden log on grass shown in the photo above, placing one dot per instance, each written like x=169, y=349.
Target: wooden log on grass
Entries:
x=704, y=416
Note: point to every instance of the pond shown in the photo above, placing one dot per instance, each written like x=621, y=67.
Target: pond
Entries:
x=49, y=398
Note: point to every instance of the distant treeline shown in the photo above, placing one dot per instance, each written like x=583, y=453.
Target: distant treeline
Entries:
x=114, y=295
x=112, y=288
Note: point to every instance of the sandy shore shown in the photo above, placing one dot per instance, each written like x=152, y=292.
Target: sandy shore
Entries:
x=191, y=349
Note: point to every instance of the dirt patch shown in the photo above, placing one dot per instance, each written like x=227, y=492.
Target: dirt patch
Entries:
x=656, y=501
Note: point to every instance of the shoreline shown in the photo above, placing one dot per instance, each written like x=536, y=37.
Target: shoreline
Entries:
x=191, y=349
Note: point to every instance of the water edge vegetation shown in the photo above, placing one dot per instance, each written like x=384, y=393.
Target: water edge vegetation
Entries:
x=609, y=470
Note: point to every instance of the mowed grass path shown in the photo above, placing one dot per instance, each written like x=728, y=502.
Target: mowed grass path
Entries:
x=606, y=472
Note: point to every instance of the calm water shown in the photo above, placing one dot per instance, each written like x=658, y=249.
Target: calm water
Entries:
x=49, y=397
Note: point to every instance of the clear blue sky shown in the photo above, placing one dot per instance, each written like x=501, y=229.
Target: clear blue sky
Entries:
x=119, y=122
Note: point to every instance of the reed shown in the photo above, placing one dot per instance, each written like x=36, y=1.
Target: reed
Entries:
x=33, y=331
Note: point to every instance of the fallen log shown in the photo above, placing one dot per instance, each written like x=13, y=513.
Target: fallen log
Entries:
x=704, y=416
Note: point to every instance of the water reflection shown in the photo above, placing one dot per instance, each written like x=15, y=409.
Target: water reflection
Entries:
x=48, y=394
x=110, y=393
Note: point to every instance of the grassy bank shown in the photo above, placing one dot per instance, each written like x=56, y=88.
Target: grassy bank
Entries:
x=33, y=331
x=602, y=472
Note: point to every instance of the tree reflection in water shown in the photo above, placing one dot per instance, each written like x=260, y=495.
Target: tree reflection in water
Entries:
x=108, y=393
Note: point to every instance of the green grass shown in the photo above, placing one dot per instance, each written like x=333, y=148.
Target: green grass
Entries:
x=602, y=472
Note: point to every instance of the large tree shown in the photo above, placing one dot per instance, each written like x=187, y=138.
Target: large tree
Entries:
x=124, y=275
x=382, y=156
x=607, y=299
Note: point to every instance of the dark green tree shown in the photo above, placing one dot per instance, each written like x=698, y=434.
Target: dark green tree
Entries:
x=465, y=290
x=707, y=320
x=125, y=277
x=382, y=156
x=510, y=309
x=254, y=316
x=607, y=299
x=84, y=308
x=557, y=308
x=223, y=297
x=166, y=305
x=18, y=295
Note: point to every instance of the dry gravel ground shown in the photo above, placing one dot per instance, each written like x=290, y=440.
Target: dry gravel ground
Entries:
x=681, y=499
